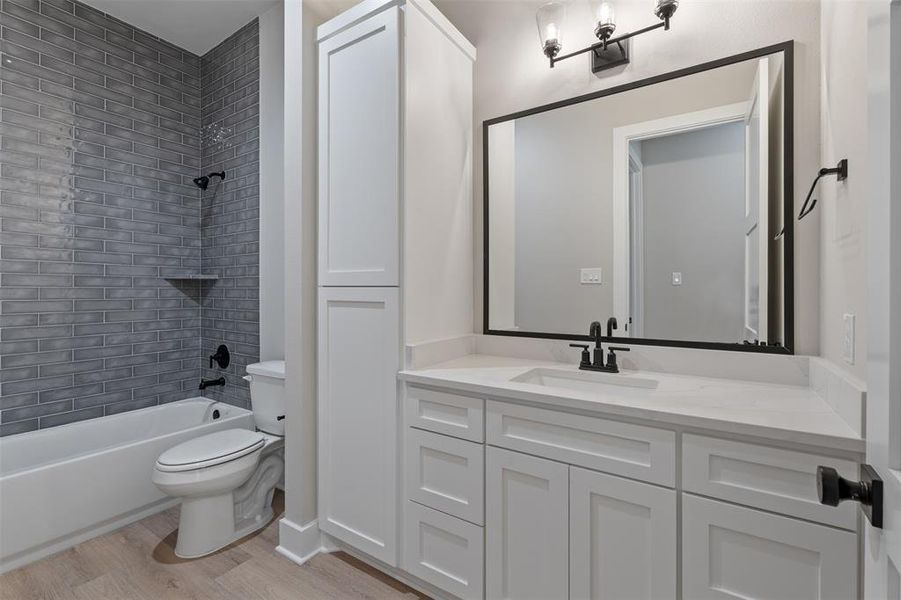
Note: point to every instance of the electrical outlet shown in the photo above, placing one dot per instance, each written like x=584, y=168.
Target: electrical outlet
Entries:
x=677, y=278
x=593, y=276
x=848, y=339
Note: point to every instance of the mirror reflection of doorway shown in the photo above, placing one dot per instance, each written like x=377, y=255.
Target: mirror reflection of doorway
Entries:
x=686, y=196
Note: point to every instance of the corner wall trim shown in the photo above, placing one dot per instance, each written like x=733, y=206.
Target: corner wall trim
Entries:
x=298, y=543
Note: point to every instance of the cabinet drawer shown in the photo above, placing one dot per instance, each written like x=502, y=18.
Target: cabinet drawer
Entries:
x=446, y=473
x=769, y=478
x=444, y=551
x=633, y=451
x=443, y=412
x=733, y=552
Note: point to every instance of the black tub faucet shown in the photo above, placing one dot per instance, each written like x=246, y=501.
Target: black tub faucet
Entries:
x=205, y=383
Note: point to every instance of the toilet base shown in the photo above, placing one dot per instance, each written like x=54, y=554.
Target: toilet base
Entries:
x=204, y=527
x=210, y=523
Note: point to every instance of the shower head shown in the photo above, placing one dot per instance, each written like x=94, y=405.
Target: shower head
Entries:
x=204, y=180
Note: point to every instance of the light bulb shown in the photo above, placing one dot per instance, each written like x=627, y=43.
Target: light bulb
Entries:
x=605, y=14
x=605, y=20
x=550, y=19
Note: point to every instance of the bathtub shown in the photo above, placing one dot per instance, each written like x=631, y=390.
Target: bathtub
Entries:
x=63, y=485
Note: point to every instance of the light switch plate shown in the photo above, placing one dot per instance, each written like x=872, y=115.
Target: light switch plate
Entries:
x=848, y=339
x=592, y=276
x=677, y=278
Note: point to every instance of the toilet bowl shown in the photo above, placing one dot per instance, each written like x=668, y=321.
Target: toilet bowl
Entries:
x=226, y=479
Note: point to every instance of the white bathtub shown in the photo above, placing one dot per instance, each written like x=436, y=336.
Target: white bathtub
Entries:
x=66, y=484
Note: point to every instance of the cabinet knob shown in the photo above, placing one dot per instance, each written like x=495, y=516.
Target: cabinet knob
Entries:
x=833, y=489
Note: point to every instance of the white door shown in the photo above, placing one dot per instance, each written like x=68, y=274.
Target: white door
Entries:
x=527, y=527
x=756, y=205
x=882, y=547
x=359, y=133
x=622, y=538
x=731, y=552
x=358, y=408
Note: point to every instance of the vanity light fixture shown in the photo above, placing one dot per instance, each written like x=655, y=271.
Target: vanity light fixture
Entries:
x=608, y=51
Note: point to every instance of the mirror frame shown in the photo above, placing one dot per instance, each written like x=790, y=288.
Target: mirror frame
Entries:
x=787, y=346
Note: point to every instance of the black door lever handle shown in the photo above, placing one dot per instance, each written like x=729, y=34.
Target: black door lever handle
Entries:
x=833, y=489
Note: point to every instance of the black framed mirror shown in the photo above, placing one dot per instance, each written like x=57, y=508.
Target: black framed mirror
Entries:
x=659, y=202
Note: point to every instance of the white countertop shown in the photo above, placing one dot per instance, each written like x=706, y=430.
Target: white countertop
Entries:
x=785, y=413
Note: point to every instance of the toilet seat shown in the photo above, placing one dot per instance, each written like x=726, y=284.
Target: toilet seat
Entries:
x=210, y=450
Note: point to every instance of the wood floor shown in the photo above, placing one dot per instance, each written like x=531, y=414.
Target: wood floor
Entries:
x=138, y=563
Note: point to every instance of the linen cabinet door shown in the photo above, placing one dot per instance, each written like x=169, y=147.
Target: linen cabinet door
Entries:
x=622, y=537
x=359, y=351
x=526, y=531
x=359, y=161
x=731, y=552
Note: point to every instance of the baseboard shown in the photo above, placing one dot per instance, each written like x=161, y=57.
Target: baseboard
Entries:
x=298, y=543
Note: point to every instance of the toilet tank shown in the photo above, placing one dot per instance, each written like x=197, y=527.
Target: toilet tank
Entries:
x=267, y=395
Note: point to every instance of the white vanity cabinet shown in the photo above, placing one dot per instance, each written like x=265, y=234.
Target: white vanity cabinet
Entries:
x=581, y=506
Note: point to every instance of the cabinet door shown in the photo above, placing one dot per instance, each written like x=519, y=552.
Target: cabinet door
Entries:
x=358, y=407
x=622, y=538
x=359, y=131
x=526, y=532
x=733, y=552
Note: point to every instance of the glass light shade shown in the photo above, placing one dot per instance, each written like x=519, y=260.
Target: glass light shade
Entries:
x=605, y=18
x=550, y=21
x=664, y=9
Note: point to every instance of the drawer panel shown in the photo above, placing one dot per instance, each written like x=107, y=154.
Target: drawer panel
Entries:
x=633, y=451
x=443, y=412
x=444, y=551
x=446, y=474
x=773, y=479
x=731, y=552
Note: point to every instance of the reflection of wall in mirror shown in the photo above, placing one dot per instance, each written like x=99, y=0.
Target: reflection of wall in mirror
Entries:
x=501, y=143
x=694, y=187
x=564, y=193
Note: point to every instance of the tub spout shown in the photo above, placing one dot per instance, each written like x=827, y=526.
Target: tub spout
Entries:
x=205, y=383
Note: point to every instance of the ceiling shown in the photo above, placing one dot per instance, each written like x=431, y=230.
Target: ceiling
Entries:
x=195, y=25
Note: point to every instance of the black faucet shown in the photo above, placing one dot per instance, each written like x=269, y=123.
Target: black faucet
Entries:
x=221, y=358
x=597, y=358
x=205, y=383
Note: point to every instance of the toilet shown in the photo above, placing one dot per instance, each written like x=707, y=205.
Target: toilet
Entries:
x=226, y=479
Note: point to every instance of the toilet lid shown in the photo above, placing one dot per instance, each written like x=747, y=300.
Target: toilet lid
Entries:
x=211, y=449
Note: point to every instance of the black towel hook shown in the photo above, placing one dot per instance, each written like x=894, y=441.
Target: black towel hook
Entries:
x=841, y=173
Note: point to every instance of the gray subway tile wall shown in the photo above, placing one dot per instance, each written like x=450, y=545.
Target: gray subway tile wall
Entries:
x=230, y=214
x=100, y=136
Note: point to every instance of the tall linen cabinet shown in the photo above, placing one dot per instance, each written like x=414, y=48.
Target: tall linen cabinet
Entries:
x=395, y=243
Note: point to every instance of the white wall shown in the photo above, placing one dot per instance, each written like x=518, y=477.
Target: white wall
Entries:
x=512, y=74
x=272, y=197
x=298, y=533
x=843, y=206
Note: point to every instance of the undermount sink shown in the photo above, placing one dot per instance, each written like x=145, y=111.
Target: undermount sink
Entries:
x=583, y=381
